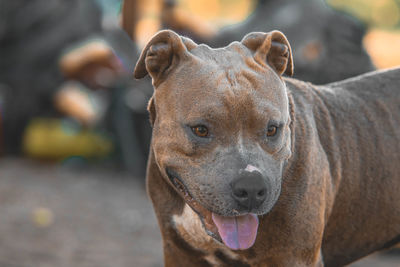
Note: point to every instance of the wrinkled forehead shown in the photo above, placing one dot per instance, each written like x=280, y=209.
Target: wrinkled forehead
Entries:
x=215, y=75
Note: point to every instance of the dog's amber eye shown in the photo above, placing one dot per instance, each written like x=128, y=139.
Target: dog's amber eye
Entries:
x=272, y=130
x=200, y=131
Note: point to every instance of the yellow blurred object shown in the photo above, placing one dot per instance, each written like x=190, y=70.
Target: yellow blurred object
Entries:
x=42, y=217
x=146, y=28
x=207, y=9
x=383, y=47
x=55, y=139
x=179, y=19
x=148, y=23
x=219, y=12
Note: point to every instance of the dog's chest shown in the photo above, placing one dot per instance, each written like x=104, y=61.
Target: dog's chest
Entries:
x=190, y=228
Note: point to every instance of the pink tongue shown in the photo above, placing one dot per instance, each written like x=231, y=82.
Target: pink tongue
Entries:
x=237, y=232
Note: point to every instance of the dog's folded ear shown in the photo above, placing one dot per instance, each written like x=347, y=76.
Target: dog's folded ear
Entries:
x=272, y=48
x=161, y=54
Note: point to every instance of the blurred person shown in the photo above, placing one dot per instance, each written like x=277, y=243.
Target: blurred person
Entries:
x=32, y=35
x=43, y=45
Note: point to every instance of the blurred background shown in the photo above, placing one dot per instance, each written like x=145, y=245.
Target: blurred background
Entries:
x=74, y=130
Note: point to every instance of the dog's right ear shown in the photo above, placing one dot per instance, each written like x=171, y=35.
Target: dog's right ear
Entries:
x=161, y=54
x=272, y=48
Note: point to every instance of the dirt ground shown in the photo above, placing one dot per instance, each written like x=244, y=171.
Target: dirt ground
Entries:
x=54, y=216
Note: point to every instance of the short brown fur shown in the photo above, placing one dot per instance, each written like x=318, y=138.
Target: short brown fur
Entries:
x=334, y=168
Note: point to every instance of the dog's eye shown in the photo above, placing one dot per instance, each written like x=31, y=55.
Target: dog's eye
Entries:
x=272, y=130
x=200, y=130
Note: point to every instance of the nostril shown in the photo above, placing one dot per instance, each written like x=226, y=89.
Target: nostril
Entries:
x=261, y=193
x=241, y=193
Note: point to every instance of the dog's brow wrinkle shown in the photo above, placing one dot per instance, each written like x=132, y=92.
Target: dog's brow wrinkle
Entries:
x=251, y=78
x=231, y=77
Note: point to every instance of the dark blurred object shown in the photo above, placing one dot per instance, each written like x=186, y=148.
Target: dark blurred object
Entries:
x=127, y=116
x=32, y=35
x=1, y=122
x=327, y=45
x=130, y=17
x=128, y=119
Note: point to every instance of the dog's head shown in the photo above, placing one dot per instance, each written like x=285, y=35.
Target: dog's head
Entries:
x=221, y=130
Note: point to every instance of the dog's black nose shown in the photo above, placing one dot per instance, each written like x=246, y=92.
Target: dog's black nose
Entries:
x=249, y=190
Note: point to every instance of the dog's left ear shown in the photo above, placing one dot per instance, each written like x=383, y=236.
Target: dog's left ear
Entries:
x=272, y=48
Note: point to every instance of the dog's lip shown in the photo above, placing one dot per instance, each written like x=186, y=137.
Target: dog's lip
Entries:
x=204, y=214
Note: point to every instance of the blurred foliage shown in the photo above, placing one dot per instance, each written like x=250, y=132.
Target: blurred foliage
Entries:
x=382, y=17
x=375, y=13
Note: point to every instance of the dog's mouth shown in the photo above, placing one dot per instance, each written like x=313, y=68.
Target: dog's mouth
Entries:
x=236, y=232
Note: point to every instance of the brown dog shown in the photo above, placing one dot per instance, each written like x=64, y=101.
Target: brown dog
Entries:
x=248, y=168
